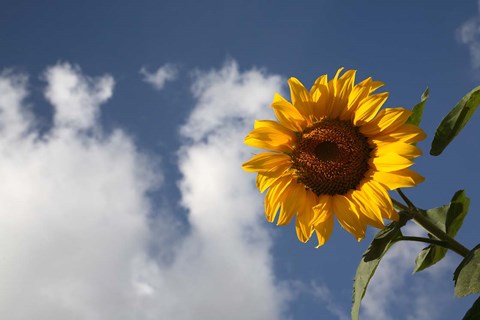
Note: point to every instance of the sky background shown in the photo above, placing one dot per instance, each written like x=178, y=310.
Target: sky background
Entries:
x=121, y=144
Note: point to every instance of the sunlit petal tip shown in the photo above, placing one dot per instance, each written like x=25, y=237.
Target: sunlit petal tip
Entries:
x=369, y=107
x=303, y=234
x=393, y=215
x=338, y=72
x=324, y=230
x=404, y=178
x=417, y=178
x=375, y=85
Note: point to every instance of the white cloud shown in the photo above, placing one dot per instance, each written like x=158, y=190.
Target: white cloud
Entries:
x=228, y=249
x=76, y=98
x=73, y=205
x=235, y=100
x=157, y=79
x=14, y=120
x=77, y=227
x=469, y=34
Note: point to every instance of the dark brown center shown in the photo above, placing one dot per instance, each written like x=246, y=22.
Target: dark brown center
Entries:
x=331, y=157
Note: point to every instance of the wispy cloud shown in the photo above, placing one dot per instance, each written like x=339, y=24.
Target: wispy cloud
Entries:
x=157, y=79
x=394, y=293
x=324, y=295
x=469, y=34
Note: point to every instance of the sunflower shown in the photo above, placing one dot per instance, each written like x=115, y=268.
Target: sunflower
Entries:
x=332, y=153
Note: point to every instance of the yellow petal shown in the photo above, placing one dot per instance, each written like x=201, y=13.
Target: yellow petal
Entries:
x=263, y=182
x=301, y=98
x=322, y=105
x=407, y=133
x=266, y=178
x=375, y=85
x=322, y=210
x=287, y=114
x=390, y=162
x=303, y=225
x=403, y=149
x=324, y=230
x=346, y=84
x=357, y=95
x=340, y=91
x=370, y=84
x=348, y=217
x=293, y=203
x=368, y=108
x=398, y=179
x=318, y=86
x=369, y=209
x=274, y=197
x=271, y=135
x=379, y=198
x=266, y=161
x=387, y=120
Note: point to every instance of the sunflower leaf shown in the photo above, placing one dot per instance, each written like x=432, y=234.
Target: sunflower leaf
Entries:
x=448, y=218
x=417, y=111
x=429, y=256
x=369, y=263
x=474, y=312
x=467, y=274
x=457, y=212
x=455, y=120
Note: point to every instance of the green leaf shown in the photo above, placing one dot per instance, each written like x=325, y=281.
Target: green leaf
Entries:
x=448, y=218
x=474, y=312
x=417, y=110
x=429, y=256
x=467, y=274
x=454, y=122
x=437, y=216
x=369, y=263
x=457, y=212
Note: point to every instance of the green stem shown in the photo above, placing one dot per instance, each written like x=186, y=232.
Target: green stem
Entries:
x=430, y=227
x=400, y=205
x=425, y=240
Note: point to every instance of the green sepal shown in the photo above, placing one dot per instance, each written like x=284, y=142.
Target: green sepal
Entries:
x=455, y=120
x=474, y=312
x=417, y=111
x=467, y=274
x=448, y=218
x=371, y=258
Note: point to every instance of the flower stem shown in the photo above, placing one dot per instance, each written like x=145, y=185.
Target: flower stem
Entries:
x=430, y=227
x=426, y=240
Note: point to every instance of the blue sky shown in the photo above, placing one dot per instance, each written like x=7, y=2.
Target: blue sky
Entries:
x=121, y=140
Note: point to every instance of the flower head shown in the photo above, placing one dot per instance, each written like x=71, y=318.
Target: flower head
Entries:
x=333, y=153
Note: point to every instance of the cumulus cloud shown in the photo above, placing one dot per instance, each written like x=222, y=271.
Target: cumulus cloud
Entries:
x=157, y=79
x=73, y=205
x=469, y=34
x=76, y=98
x=77, y=223
x=229, y=250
